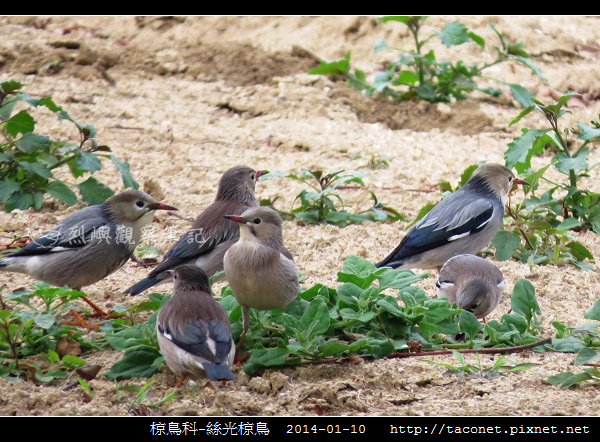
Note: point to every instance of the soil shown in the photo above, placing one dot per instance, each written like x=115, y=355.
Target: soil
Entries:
x=182, y=99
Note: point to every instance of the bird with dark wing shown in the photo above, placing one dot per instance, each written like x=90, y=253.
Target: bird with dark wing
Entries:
x=193, y=329
x=465, y=221
x=211, y=235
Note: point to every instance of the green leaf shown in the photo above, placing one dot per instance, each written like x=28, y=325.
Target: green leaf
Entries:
x=269, y=356
x=565, y=163
x=588, y=133
x=454, y=34
x=36, y=168
x=45, y=321
x=316, y=318
x=399, y=18
x=399, y=278
x=359, y=271
x=586, y=355
x=569, y=223
x=7, y=187
x=521, y=95
x=94, y=192
x=123, y=167
x=506, y=244
x=477, y=39
x=406, y=77
x=10, y=86
x=89, y=161
x=594, y=312
x=520, y=151
x=523, y=299
x=31, y=142
x=61, y=191
x=333, y=348
x=19, y=123
x=332, y=68
x=470, y=324
x=136, y=363
x=567, y=379
x=19, y=200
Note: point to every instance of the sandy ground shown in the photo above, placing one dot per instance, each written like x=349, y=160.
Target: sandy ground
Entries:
x=184, y=99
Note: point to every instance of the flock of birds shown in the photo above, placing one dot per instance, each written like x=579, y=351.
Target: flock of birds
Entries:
x=245, y=240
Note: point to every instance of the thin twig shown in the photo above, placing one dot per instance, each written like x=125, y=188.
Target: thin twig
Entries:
x=346, y=359
x=474, y=350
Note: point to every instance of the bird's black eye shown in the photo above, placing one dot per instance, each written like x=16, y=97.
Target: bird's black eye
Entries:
x=257, y=220
x=139, y=203
x=473, y=307
x=252, y=177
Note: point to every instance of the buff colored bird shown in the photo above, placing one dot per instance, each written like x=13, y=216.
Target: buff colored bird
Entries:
x=473, y=283
x=261, y=272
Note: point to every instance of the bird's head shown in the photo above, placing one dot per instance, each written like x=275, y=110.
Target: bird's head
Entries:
x=261, y=223
x=131, y=205
x=497, y=178
x=239, y=183
x=190, y=277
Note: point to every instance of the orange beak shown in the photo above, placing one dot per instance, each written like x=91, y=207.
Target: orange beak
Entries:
x=520, y=181
x=161, y=206
x=236, y=218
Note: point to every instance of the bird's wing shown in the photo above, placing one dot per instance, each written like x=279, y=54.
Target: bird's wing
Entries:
x=74, y=232
x=207, y=232
x=441, y=227
x=210, y=340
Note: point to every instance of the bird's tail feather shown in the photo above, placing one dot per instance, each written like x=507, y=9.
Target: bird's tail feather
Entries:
x=144, y=284
x=389, y=262
x=218, y=372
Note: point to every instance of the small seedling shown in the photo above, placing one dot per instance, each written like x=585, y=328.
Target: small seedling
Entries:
x=501, y=366
x=323, y=203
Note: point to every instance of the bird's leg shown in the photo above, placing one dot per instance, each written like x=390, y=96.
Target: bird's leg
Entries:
x=180, y=383
x=79, y=319
x=81, y=322
x=246, y=323
x=99, y=311
x=237, y=359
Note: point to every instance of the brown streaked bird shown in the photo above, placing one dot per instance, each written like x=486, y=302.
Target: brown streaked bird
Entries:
x=473, y=283
x=211, y=235
x=193, y=329
x=261, y=272
x=465, y=221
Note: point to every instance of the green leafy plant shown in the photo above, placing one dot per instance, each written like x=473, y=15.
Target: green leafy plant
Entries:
x=138, y=342
x=501, y=366
x=57, y=367
x=419, y=74
x=373, y=313
x=584, y=340
x=29, y=329
x=28, y=160
x=142, y=400
x=323, y=204
x=539, y=231
x=362, y=318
